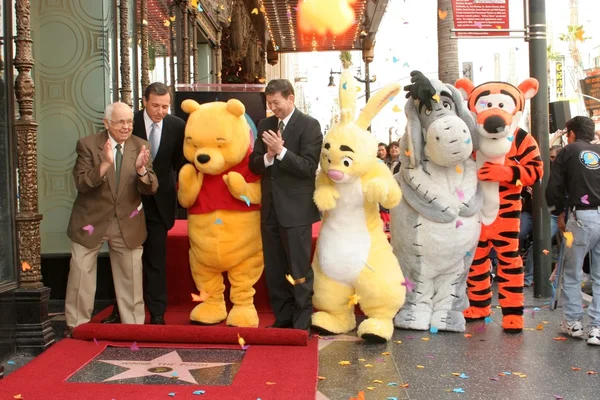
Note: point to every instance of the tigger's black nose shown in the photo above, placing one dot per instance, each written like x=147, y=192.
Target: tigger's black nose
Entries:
x=494, y=124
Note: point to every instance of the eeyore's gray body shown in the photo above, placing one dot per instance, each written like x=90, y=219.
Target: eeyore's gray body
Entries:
x=436, y=226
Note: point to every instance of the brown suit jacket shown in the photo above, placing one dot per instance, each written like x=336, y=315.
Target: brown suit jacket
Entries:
x=99, y=200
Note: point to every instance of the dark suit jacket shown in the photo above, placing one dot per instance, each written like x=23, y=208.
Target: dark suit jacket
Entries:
x=99, y=200
x=168, y=161
x=289, y=184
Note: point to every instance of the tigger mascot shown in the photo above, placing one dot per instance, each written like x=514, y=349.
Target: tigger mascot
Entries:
x=508, y=158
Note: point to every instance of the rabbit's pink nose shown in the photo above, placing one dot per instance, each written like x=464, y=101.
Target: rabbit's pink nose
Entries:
x=335, y=175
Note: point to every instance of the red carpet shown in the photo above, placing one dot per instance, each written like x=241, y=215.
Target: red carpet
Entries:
x=180, y=284
x=291, y=370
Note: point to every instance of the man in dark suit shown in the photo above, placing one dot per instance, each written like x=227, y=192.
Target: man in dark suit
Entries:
x=286, y=154
x=165, y=133
x=112, y=171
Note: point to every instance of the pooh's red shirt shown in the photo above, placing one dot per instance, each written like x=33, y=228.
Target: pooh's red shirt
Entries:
x=214, y=194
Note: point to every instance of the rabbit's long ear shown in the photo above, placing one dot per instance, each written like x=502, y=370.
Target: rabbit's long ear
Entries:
x=463, y=113
x=347, y=97
x=414, y=136
x=376, y=104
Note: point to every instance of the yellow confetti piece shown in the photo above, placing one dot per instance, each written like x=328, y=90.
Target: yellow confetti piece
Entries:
x=321, y=378
x=228, y=19
x=271, y=383
x=398, y=341
x=263, y=9
x=370, y=387
x=456, y=374
x=459, y=169
x=498, y=307
x=519, y=183
x=568, y=238
x=167, y=23
x=544, y=322
x=241, y=340
x=425, y=339
x=539, y=327
x=498, y=26
x=436, y=97
x=361, y=359
x=377, y=381
x=172, y=18
x=368, y=365
x=385, y=353
x=254, y=11
x=420, y=367
x=353, y=300
x=344, y=363
x=396, y=109
x=442, y=14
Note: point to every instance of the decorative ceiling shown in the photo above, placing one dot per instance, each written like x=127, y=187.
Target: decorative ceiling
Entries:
x=282, y=23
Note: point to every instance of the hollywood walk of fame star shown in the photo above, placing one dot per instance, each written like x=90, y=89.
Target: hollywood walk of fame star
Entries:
x=170, y=366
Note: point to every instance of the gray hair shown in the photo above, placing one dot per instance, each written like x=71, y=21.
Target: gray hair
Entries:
x=109, y=109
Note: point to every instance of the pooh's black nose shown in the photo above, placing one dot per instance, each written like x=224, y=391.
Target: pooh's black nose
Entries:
x=203, y=158
x=494, y=124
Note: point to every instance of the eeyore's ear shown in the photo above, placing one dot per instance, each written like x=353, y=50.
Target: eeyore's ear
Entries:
x=413, y=137
x=463, y=113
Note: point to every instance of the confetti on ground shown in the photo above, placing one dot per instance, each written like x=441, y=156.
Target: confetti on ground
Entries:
x=89, y=229
x=430, y=356
x=392, y=384
x=134, y=347
x=392, y=398
x=458, y=390
x=370, y=387
x=425, y=339
x=172, y=394
x=558, y=396
x=410, y=337
x=11, y=362
x=361, y=359
x=379, y=359
x=17, y=396
x=360, y=396
x=321, y=378
x=575, y=369
x=463, y=376
x=539, y=327
x=398, y=341
x=271, y=383
x=385, y=353
x=488, y=320
x=536, y=309
x=494, y=379
x=468, y=335
x=404, y=385
x=134, y=213
x=377, y=381
x=368, y=365
x=198, y=392
x=420, y=367
x=560, y=339
x=592, y=373
x=344, y=363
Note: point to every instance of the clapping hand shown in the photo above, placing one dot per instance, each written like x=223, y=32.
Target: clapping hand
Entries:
x=273, y=141
x=109, y=157
x=142, y=159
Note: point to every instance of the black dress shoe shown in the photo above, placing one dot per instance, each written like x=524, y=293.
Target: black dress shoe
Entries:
x=281, y=325
x=157, y=321
x=113, y=318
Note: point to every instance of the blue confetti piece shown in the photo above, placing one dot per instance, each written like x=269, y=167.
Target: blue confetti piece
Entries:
x=510, y=138
x=507, y=373
x=246, y=200
x=458, y=390
x=198, y=392
x=392, y=98
x=433, y=329
x=172, y=394
x=200, y=8
x=463, y=376
x=392, y=384
x=175, y=373
x=469, y=254
x=11, y=362
x=536, y=309
x=218, y=221
x=395, y=59
x=488, y=320
x=392, y=398
x=468, y=141
x=344, y=85
x=406, y=65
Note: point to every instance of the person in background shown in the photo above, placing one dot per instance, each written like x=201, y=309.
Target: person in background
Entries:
x=112, y=171
x=393, y=161
x=286, y=154
x=575, y=174
x=382, y=151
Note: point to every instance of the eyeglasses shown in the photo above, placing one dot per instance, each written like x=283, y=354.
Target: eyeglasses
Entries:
x=122, y=122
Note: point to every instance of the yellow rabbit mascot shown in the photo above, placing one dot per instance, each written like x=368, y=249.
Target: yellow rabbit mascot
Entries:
x=354, y=262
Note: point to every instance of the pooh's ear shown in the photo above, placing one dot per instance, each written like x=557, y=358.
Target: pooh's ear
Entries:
x=529, y=87
x=236, y=107
x=376, y=104
x=465, y=86
x=189, y=106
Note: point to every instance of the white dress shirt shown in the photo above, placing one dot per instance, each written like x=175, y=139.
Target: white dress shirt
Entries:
x=282, y=154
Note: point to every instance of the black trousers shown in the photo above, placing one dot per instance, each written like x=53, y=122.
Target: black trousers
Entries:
x=154, y=260
x=287, y=251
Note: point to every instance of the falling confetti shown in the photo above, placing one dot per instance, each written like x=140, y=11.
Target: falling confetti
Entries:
x=395, y=59
x=89, y=229
x=25, y=266
x=134, y=347
x=436, y=97
x=545, y=251
x=442, y=14
x=410, y=285
x=487, y=320
x=460, y=194
x=468, y=140
x=459, y=223
x=459, y=169
x=396, y=109
x=518, y=183
x=242, y=342
x=218, y=221
x=254, y=11
x=134, y=213
x=510, y=139
x=479, y=25
x=433, y=329
x=584, y=199
x=201, y=297
x=407, y=152
x=345, y=85
x=246, y=200
x=96, y=341
x=568, y=238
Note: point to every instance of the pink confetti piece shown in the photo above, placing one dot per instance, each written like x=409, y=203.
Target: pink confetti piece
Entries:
x=410, y=337
x=460, y=194
x=584, y=199
x=410, y=285
x=245, y=347
x=96, y=341
x=494, y=379
x=430, y=356
x=134, y=213
x=134, y=347
x=379, y=359
x=459, y=223
x=480, y=328
x=558, y=396
x=89, y=229
x=479, y=25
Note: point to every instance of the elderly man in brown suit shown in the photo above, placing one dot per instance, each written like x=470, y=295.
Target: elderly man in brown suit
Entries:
x=112, y=171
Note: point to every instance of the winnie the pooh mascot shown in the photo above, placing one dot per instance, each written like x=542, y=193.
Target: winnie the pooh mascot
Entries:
x=223, y=201
x=354, y=262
